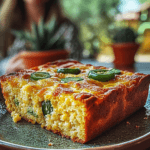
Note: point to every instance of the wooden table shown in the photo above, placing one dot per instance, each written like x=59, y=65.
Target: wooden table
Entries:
x=137, y=67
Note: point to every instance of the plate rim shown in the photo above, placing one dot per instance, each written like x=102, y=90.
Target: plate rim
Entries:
x=126, y=144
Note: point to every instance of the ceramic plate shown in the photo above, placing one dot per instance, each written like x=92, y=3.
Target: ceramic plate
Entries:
x=132, y=131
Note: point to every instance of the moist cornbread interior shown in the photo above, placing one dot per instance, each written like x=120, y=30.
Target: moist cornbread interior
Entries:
x=24, y=98
x=67, y=117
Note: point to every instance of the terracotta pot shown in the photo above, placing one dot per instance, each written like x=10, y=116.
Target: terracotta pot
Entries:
x=32, y=59
x=124, y=53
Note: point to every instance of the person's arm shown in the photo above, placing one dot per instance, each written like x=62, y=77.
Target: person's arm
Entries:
x=6, y=14
x=15, y=64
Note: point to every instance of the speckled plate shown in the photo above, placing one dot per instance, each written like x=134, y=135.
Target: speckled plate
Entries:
x=130, y=132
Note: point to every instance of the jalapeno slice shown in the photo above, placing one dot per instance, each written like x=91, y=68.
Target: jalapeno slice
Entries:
x=101, y=75
x=16, y=102
x=68, y=79
x=47, y=107
x=40, y=75
x=116, y=71
x=69, y=70
x=31, y=112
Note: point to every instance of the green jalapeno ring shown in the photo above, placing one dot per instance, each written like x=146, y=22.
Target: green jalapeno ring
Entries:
x=69, y=70
x=116, y=71
x=40, y=75
x=101, y=75
x=68, y=79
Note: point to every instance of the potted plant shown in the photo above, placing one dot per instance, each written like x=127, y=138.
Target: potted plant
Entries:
x=125, y=46
x=43, y=44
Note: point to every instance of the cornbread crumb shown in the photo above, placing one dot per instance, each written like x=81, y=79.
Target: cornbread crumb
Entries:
x=16, y=116
x=42, y=126
x=50, y=144
x=137, y=127
x=128, y=123
x=145, y=118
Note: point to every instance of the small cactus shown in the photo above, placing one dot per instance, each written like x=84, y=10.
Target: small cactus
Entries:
x=42, y=36
x=125, y=35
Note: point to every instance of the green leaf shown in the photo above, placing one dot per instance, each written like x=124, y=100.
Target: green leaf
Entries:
x=50, y=26
x=41, y=30
x=58, y=37
x=36, y=35
x=19, y=34
x=29, y=37
x=43, y=36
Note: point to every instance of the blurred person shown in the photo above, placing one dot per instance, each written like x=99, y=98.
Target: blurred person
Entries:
x=15, y=14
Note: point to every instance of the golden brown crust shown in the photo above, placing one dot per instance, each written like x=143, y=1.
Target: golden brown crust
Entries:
x=26, y=72
x=117, y=105
x=60, y=89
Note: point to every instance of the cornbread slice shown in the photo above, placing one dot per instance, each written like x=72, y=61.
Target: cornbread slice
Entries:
x=78, y=109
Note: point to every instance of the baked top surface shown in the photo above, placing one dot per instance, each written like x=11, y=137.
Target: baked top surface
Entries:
x=86, y=85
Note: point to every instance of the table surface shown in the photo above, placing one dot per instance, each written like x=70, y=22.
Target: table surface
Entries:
x=137, y=67
x=142, y=67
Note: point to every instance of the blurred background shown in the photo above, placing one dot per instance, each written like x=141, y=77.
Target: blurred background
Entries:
x=97, y=20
